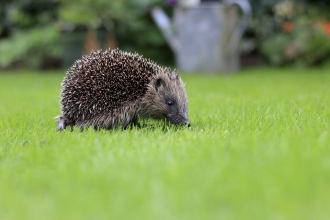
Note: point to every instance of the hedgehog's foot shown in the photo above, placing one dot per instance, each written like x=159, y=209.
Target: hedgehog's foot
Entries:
x=135, y=122
x=61, y=124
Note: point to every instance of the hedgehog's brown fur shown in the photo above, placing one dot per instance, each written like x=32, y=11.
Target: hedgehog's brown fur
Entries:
x=114, y=88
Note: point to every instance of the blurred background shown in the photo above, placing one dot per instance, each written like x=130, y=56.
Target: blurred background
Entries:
x=51, y=34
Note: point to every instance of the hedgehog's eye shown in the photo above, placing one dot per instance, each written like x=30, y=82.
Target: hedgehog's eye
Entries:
x=169, y=102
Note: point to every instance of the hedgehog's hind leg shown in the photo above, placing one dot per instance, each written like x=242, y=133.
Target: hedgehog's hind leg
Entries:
x=61, y=124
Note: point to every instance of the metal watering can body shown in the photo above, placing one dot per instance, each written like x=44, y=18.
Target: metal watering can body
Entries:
x=205, y=37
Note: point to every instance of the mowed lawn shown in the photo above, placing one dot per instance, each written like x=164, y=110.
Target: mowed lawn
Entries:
x=258, y=148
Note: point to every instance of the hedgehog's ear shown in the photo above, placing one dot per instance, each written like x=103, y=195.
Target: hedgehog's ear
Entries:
x=159, y=83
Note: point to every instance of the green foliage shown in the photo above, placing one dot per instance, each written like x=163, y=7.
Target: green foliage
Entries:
x=32, y=36
x=22, y=14
x=292, y=32
x=93, y=13
x=29, y=48
x=128, y=19
x=33, y=33
x=96, y=14
x=258, y=148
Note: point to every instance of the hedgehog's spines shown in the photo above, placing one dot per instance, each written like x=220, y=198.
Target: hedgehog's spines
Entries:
x=105, y=89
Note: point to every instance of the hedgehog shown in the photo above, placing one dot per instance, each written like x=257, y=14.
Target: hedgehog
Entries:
x=113, y=88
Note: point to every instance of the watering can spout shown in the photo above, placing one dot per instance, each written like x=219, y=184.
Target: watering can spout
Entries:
x=164, y=24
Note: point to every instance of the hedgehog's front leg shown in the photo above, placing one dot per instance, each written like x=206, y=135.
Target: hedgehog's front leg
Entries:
x=133, y=123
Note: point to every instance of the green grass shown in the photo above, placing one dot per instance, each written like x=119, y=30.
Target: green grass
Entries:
x=258, y=148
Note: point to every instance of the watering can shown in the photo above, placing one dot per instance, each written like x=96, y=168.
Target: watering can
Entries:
x=205, y=37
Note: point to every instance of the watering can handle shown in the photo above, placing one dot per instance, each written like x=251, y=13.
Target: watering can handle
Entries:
x=245, y=7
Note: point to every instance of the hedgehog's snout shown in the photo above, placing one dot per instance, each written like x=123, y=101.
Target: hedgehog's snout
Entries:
x=185, y=122
x=179, y=120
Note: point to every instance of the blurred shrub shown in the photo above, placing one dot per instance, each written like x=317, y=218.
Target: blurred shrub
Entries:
x=30, y=48
x=292, y=32
x=34, y=27
x=31, y=37
x=93, y=14
x=128, y=20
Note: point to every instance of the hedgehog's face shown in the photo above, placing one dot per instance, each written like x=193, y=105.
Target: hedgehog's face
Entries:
x=170, y=99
